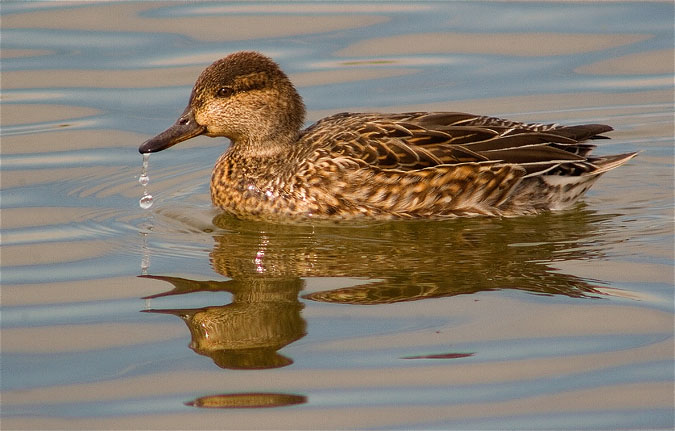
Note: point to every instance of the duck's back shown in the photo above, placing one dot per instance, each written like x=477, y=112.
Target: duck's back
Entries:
x=446, y=163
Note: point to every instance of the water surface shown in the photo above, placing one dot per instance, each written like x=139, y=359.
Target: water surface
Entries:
x=180, y=317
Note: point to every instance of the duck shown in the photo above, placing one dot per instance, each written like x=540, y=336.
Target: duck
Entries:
x=350, y=165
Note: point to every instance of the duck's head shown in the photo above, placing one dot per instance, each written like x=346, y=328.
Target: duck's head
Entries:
x=244, y=97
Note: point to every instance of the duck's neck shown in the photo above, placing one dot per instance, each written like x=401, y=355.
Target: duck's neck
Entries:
x=275, y=146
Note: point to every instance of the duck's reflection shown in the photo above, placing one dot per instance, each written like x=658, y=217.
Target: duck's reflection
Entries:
x=247, y=400
x=399, y=261
x=263, y=317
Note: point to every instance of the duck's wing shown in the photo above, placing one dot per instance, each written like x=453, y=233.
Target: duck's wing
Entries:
x=412, y=141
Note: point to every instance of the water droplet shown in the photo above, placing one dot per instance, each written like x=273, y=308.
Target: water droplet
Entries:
x=144, y=180
x=146, y=201
x=146, y=159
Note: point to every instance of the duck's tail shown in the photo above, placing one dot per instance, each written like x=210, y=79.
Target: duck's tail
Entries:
x=556, y=192
x=607, y=163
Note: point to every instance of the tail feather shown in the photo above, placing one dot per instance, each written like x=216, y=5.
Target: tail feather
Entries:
x=607, y=163
x=583, y=131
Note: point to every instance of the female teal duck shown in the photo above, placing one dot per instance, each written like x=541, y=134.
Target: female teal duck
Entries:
x=411, y=165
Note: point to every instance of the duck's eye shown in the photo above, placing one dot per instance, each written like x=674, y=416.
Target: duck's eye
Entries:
x=225, y=91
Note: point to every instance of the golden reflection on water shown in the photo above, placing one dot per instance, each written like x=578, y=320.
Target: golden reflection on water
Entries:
x=400, y=261
x=247, y=400
x=264, y=316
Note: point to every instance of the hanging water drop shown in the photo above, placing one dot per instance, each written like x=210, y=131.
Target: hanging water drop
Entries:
x=146, y=201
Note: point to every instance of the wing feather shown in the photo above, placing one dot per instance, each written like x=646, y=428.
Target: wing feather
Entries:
x=419, y=140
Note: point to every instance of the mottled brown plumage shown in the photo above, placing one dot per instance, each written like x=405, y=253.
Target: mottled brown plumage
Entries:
x=410, y=165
